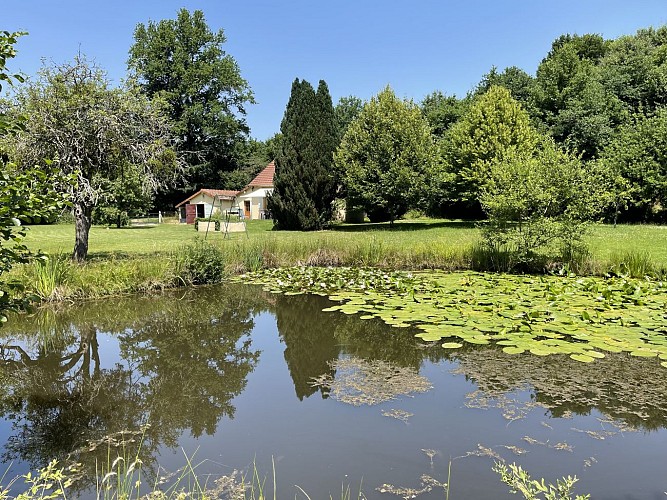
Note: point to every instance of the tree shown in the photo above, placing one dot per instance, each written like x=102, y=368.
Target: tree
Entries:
x=634, y=69
x=183, y=62
x=517, y=81
x=534, y=198
x=637, y=160
x=26, y=196
x=305, y=183
x=346, y=110
x=442, y=111
x=494, y=124
x=125, y=198
x=385, y=156
x=578, y=109
x=95, y=133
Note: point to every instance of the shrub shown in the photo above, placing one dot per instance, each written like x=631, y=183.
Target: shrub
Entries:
x=536, y=199
x=110, y=216
x=201, y=262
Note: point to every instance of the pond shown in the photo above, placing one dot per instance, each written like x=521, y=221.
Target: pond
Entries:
x=232, y=376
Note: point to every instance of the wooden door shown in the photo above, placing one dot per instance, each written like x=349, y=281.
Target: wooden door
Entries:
x=246, y=208
x=190, y=213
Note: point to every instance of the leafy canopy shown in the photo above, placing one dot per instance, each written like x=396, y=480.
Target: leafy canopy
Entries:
x=183, y=62
x=494, y=125
x=94, y=132
x=385, y=156
x=26, y=196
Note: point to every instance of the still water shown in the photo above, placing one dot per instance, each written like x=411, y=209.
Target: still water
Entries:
x=229, y=375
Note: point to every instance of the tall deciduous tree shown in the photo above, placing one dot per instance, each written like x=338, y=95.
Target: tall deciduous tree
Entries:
x=442, y=111
x=385, y=157
x=305, y=183
x=183, y=62
x=637, y=160
x=93, y=132
x=346, y=110
x=579, y=110
x=494, y=124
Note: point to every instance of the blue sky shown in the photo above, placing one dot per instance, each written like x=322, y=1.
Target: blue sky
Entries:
x=357, y=47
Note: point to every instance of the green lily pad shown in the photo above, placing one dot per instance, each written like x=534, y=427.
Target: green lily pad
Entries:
x=452, y=345
x=582, y=357
x=513, y=350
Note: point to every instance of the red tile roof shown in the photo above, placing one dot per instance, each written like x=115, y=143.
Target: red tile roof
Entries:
x=264, y=178
x=224, y=194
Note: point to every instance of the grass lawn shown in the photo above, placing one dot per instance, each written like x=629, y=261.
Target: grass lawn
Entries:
x=405, y=236
x=146, y=258
x=416, y=236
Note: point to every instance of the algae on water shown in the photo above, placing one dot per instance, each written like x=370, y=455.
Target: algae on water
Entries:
x=361, y=382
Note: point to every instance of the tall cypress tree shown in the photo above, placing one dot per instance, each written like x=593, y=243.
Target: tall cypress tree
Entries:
x=304, y=184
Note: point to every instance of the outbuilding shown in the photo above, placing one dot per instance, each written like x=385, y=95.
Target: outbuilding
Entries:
x=205, y=203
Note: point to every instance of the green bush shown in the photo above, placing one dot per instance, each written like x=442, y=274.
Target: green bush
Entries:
x=110, y=216
x=200, y=263
x=536, y=199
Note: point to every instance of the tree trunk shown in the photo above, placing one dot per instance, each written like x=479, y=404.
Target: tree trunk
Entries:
x=82, y=222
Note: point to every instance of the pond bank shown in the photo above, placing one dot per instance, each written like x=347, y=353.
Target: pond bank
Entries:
x=198, y=262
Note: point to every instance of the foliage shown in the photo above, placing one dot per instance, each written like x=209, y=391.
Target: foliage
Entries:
x=27, y=196
x=183, y=62
x=494, y=125
x=636, y=163
x=534, y=199
x=50, y=482
x=305, y=184
x=125, y=197
x=579, y=110
x=345, y=111
x=385, y=157
x=7, y=51
x=517, y=81
x=520, y=481
x=442, y=111
x=254, y=155
x=98, y=134
x=200, y=263
x=634, y=69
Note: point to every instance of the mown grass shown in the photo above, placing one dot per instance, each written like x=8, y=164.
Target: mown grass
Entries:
x=155, y=257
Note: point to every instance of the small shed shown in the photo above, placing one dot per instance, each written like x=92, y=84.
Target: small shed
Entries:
x=205, y=203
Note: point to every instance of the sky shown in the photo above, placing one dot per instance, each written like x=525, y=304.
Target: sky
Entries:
x=357, y=47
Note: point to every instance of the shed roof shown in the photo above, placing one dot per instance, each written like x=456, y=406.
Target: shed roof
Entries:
x=224, y=194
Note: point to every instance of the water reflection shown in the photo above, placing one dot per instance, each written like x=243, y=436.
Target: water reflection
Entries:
x=622, y=387
x=77, y=381
x=183, y=358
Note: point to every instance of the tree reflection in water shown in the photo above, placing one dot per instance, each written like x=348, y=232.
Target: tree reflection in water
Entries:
x=315, y=339
x=623, y=387
x=184, y=357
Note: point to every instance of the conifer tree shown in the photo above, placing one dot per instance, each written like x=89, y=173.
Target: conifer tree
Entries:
x=304, y=184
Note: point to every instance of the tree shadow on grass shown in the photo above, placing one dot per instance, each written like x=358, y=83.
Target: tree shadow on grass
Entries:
x=405, y=226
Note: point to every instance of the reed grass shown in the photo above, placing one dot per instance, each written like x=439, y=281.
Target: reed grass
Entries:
x=154, y=258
